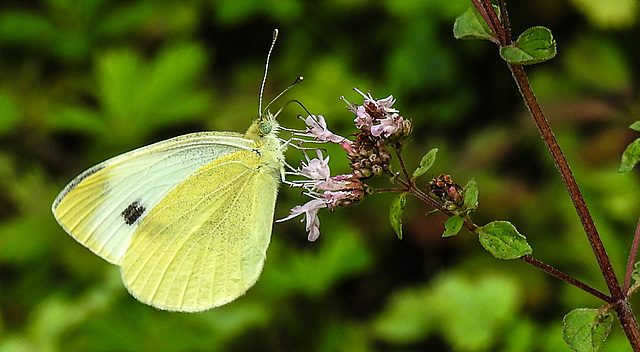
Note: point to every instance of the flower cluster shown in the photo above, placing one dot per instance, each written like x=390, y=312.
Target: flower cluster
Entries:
x=379, y=126
x=325, y=191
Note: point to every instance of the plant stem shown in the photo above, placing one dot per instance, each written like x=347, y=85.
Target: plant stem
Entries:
x=472, y=227
x=620, y=297
x=629, y=324
x=505, y=20
x=628, y=321
x=485, y=16
x=569, y=181
x=564, y=277
x=494, y=22
x=410, y=187
x=404, y=169
x=388, y=190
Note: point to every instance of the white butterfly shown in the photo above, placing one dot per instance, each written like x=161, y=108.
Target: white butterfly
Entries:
x=188, y=219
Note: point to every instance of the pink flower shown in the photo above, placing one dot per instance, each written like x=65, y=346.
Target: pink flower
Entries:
x=333, y=199
x=337, y=183
x=363, y=120
x=386, y=104
x=310, y=211
x=317, y=127
x=326, y=191
x=316, y=168
x=377, y=116
x=387, y=126
x=383, y=104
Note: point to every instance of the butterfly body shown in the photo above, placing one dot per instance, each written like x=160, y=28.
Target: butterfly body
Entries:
x=188, y=219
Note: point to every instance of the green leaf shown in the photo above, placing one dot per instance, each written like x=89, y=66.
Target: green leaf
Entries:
x=635, y=126
x=471, y=25
x=395, y=213
x=453, y=226
x=630, y=156
x=426, y=163
x=503, y=241
x=431, y=212
x=585, y=330
x=533, y=46
x=470, y=196
x=635, y=274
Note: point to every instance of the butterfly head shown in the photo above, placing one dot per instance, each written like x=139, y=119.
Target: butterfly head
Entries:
x=265, y=125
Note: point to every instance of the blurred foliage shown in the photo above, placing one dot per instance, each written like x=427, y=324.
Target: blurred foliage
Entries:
x=81, y=81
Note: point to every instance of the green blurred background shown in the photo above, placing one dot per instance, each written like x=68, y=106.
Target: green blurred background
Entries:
x=81, y=81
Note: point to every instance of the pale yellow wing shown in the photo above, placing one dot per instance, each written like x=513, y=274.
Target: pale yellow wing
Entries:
x=205, y=243
x=103, y=207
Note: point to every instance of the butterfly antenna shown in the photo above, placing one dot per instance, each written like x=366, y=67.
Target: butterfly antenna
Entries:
x=298, y=80
x=266, y=69
x=292, y=101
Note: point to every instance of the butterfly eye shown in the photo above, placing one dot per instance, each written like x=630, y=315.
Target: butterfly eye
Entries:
x=265, y=127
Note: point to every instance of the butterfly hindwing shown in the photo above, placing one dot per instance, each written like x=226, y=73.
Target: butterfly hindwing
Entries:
x=205, y=243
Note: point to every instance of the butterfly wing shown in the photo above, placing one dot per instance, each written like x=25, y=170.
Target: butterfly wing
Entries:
x=205, y=243
x=103, y=207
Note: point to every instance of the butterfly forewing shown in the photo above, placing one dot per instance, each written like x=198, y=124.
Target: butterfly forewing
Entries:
x=205, y=243
x=102, y=207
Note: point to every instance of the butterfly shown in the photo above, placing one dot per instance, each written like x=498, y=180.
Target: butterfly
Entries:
x=188, y=220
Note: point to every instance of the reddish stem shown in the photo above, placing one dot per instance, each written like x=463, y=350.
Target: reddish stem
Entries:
x=505, y=20
x=529, y=259
x=621, y=304
x=622, y=308
x=494, y=22
x=562, y=276
x=569, y=181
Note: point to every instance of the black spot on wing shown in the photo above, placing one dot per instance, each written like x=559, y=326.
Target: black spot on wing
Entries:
x=133, y=212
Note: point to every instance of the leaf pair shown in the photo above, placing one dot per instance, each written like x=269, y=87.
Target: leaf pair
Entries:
x=535, y=45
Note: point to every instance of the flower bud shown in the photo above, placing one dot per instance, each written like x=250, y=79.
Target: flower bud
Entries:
x=444, y=189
